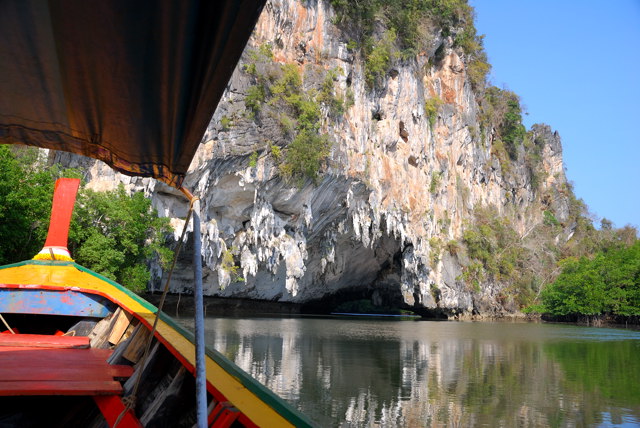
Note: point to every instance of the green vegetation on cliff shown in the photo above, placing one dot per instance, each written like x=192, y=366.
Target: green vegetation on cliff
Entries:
x=278, y=93
x=111, y=233
x=501, y=111
x=499, y=254
x=595, y=273
x=390, y=30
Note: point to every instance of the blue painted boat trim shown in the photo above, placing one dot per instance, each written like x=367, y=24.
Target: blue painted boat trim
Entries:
x=68, y=302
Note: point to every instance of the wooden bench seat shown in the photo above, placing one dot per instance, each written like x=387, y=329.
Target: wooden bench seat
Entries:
x=58, y=387
x=43, y=341
x=59, y=371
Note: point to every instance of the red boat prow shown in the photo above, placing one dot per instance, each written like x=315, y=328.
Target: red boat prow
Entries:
x=64, y=197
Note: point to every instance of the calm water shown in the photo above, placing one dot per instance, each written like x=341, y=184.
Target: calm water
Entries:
x=351, y=373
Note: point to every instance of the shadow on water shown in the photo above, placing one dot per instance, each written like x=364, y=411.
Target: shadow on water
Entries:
x=354, y=373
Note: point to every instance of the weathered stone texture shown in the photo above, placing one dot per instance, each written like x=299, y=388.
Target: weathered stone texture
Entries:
x=394, y=181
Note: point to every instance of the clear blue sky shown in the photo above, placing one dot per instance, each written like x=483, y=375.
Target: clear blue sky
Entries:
x=576, y=67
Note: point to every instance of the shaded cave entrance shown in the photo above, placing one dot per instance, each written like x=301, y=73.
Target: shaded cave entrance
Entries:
x=363, y=301
x=373, y=287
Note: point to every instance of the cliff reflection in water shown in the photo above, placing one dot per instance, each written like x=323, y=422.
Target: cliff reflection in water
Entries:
x=377, y=373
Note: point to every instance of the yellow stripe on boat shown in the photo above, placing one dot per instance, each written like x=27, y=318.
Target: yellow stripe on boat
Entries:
x=71, y=276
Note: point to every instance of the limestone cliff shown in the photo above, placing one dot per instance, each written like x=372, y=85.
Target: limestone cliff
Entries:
x=401, y=179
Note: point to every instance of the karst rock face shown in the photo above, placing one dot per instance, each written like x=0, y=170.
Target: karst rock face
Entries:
x=395, y=179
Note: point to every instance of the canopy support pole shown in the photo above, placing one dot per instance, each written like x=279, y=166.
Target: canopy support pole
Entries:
x=201, y=375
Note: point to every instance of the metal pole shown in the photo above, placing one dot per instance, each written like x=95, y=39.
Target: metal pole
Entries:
x=201, y=375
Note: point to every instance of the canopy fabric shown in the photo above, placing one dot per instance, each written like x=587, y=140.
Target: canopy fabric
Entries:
x=132, y=83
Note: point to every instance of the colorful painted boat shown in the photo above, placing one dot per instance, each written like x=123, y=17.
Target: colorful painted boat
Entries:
x=74, y=348
x=133, y=84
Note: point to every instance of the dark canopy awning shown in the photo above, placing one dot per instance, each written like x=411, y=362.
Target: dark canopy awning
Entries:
x=132, y=83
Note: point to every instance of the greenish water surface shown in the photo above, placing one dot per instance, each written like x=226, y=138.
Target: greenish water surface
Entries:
x=355, y=373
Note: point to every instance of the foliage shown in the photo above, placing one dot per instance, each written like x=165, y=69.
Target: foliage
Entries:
x=453, y=247
x=26, y=189
x=408, y=27
x=263, y=53
x=253, y=160
x=472, y=45
x=473, y=274
x=609, y=283
x=478, y=69
x=524, y=263
x=116, y=234
x=498, y=253
x=436, y=177
x=256, y=96
x=609, y=256
x=111, y=233
x=276, y=152
x=436, y=249
x=549, y=219
x=410, y=19
x=225, y=123
x=586, y=239
x=381, y=54
x=266, y=51
x=500, y=152
x=606, y=224
x=350, y=98
x=289, y=85
x=445, y=222
x=229, y=265
x=308, y=150
x=300, y=116
x=431, y=107
x=327, y=97
x=305, y=156
x=501, y=111
x=511, y=128
x=493, y=242
x=251, y=69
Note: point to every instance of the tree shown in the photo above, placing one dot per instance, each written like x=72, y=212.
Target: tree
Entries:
x=26, y=189
x=608, y=283
x=111, y=233
x=117, y=235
